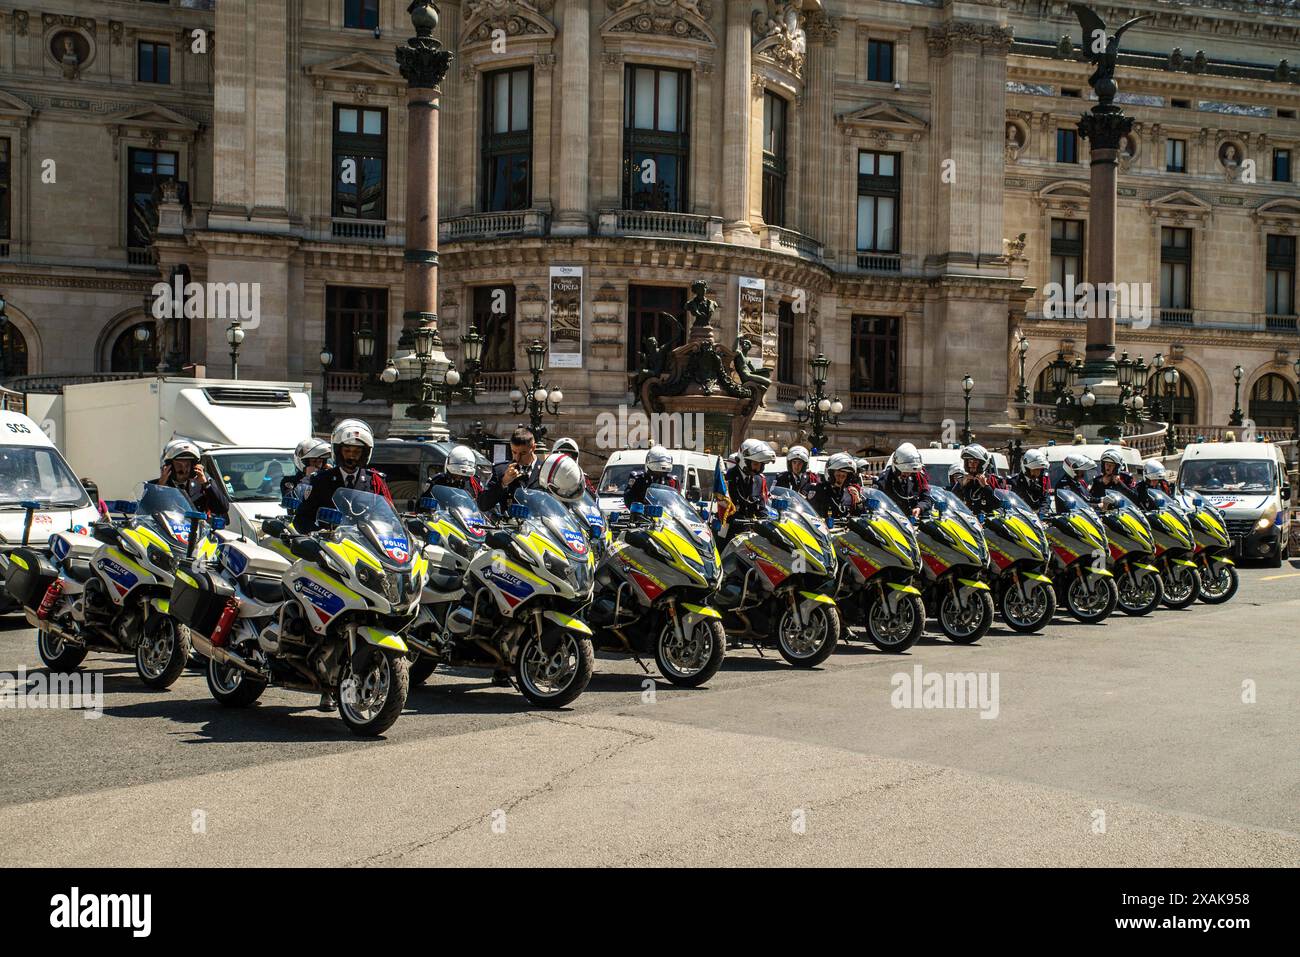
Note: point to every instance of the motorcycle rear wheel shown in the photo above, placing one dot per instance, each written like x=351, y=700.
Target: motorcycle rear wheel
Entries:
x=895, y=633
x=1134, y=599
x=420, y=669
x=1091, y=608
x=1182, y=586
x=1218, y=583
x=705, y=648
x=231, y=686
x=1028, y=616
x=968, y=629
x=56, y=654
x=814, y=644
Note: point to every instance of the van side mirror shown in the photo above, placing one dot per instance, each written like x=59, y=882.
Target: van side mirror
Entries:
x=1286, y=492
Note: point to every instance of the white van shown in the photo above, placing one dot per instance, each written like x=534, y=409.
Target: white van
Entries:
x=1056, y=458
x=32, y=470
x=1247, y=483
x=693, y=471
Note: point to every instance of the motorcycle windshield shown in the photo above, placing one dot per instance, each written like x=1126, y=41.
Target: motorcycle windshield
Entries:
x=366, y=512
x=556, y=519
x=951, y=503
x=1073, y=501
x=1013, y=502
x=588, y=511
x=688, y=519
x=1163, y=501
x=1120, y=501
x=878, y=501
x=460, y=505
x=795, y=505
x=165, y=507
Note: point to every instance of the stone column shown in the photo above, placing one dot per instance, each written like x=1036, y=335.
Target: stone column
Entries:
x=817, y=129
x=736, y=110
x=572, y=216
x=1102, y=127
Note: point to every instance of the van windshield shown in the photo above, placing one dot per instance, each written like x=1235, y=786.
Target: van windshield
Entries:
x=38, y=474
x=1229, y=475
x=614, y=480
x=254, y=476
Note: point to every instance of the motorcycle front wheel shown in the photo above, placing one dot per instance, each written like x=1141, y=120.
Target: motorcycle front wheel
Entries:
x=163, y=652
x=552, y=679
x=1218, y=583
x=812, y=644
x=1139, y=592
x=965, y=627
x=690, y=662
x=1182, y=585
x=1028, y=613
x=896, y=632
x=1091, y=607
x=370, y=702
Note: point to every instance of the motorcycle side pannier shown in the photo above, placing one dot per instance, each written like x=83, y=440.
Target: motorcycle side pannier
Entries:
x=198, y=598
x=30, y=574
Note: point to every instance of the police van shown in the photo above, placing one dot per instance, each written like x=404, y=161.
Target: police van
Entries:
x=1247, y=483
x=693, y=471
x=39, y=493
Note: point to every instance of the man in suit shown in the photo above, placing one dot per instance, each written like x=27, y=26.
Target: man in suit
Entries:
x=519, y=471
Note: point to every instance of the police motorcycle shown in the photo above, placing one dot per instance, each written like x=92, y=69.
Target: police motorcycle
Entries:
x=1175, y=550
x=108, y=591
x=653, y=591
x=1213, y=549
x=1130, y=553
x=522, y=592
x=879, y=564
x=1018, y=564
x=1077, y=539
x=778, y=576
x=954, y=554
x=327, y=622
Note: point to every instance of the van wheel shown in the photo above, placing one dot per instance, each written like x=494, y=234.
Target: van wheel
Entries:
x=1275, y=560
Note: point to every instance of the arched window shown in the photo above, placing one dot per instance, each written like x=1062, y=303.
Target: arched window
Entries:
x=130, y=354
x=1272, y=402
x=1184, y=402
x=13, y=352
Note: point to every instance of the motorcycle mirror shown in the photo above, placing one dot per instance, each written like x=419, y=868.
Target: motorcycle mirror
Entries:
x=329, y=516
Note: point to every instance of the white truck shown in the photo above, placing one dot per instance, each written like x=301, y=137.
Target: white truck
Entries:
x=113, y=433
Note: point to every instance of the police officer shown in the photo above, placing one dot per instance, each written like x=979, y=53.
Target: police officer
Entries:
x=182, y=470
x=310, y=456
x=839, y=496
x=521, y=470
x=904, y=480
x=658, y=471
x=352, y=443
x=1031, y=483
x=746, y=483
x=796, y=475
x=977, y=485
x=1112, y=478
x=459, y=471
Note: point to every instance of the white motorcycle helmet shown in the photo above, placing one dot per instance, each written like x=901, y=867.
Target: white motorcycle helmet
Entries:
x=461, y=462
x=567, y=446
x=840, y=462
x=977, y=453
x=956, y=470
x=797, y=454
x=907, y=458
x=310, y=448
x=1113, y=455
x=179, y=449
x=1078, y=465
x=353, y=432
x=1153, y=470
x=1033, y=459
x=562, y=477
x=658, y=460
x=756, y=451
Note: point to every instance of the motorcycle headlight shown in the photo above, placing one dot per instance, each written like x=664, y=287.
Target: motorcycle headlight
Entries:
x=370, y=577
x=557, y=567
x=161, y=559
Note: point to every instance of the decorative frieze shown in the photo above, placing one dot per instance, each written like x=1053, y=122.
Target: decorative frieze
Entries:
x=780, y=37
x=962, y=34
x=680, y=19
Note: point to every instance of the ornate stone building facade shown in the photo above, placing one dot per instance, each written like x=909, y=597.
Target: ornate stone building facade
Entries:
x=873, y=164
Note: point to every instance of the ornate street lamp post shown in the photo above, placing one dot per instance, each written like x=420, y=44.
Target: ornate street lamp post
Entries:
x=1236, y=418
x=539, y=399
x=1157, y=366
x=967, y=386
x=234, y=336
x=326, y=418
x=818, y=408
x=1022, y=349
x=1171, y=386
x=364, y=340
x=141, y=336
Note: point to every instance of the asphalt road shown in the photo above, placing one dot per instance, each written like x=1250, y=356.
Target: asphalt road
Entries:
x=1169, y=740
